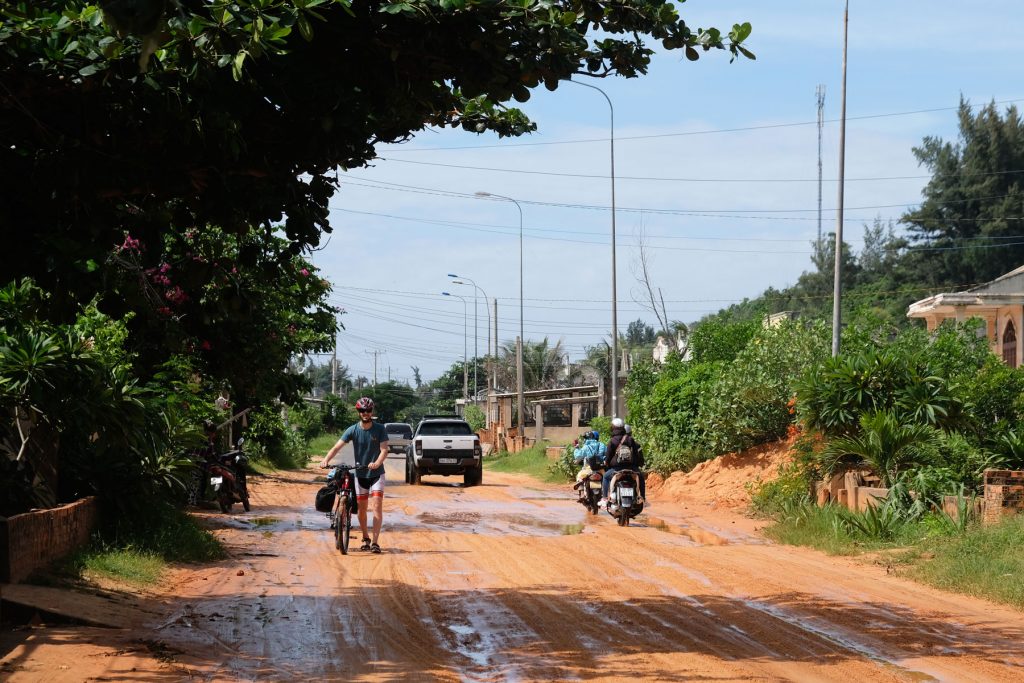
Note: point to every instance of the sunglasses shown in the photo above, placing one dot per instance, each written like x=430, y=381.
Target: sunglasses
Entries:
x=365, y=411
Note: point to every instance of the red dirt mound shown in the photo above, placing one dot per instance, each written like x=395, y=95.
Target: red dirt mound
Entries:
x=723, y=480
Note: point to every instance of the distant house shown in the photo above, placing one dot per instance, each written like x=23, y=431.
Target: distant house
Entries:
x=999, y=303
x=776, y=319
x=663, y=345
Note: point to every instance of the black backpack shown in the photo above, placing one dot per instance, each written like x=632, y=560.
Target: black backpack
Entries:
x=325, y=499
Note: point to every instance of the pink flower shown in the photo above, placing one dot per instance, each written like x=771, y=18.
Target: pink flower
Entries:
x=304, y=272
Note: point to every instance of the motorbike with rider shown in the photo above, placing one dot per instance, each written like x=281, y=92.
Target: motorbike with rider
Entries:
x=623, y=476
x=589, y=453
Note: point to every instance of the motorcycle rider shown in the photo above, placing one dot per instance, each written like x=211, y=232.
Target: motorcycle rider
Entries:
x=590, y=454
x=612, y=461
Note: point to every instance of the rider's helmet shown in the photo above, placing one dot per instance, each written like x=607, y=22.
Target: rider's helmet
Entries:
x=617, y=422
x=594, y=435
x=627, y=429
x=365, y=403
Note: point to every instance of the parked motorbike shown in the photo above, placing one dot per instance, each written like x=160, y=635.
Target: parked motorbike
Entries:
x=624, y=496
x=589, y=490
x=227, y=478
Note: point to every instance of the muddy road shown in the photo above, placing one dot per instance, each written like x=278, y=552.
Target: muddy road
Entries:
x=513, y=581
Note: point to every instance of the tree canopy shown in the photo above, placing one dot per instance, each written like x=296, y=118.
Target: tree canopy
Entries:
x=969, y=224
x=247, y=108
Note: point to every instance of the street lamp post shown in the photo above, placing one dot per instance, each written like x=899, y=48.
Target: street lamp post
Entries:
x=615, y=306
x=476, y=289
x=465, y=337
x=521, y=399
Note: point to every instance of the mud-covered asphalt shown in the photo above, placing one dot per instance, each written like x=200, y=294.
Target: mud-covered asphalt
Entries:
x=512, y=580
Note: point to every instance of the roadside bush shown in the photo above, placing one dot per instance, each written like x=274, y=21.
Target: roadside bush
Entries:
x=884, y=443
x=307, y=419
x=720, y=338
x=268, y=439
x=790, y=489
x=476, y=417
x=338, y=414
x=565, y=467
x=73, y=405
x=748, y=404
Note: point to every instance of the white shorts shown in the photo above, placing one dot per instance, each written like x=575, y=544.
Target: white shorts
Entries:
x=376, y=490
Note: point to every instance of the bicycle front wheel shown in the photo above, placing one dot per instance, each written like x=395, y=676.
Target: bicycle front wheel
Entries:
x=343, y=530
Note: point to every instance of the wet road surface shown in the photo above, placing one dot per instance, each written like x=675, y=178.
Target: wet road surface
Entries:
x=512, y=581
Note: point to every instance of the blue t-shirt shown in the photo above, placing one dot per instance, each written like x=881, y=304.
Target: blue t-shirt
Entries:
x=366, y=446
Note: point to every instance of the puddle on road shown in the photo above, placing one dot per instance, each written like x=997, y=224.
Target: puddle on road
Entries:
x=695, y=534
x=492, y=519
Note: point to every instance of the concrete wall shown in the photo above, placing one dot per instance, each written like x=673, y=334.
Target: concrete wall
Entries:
x=35, y=539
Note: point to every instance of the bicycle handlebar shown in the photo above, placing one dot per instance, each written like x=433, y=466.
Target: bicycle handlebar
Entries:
x=343, y=466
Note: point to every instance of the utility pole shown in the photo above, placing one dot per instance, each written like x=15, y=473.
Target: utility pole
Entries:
x=837, y=285
x=375, y=353
x=820, y=93
x=520, y=400
x=334, y=368
x=494, y=373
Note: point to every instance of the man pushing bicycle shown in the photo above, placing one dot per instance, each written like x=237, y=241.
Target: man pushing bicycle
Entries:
x=370, y=450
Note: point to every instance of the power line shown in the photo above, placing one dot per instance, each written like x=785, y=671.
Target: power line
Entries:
x=713, y=131
x=593, y=176
x=684, y=212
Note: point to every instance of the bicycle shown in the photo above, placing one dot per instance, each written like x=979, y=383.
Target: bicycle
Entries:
x=345, y=503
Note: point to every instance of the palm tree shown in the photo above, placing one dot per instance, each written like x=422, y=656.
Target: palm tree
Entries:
x=883, y=443
x=543, y=365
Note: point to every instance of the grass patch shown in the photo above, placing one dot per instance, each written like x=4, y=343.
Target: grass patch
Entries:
x=986, y=562
x=532, y=461
x=836, y=531
x=137, y=547
x=318, y=446
x=127, y=564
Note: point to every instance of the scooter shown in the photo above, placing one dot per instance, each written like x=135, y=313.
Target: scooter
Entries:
x=589, y=489
x=227, y=477
x=624, y=496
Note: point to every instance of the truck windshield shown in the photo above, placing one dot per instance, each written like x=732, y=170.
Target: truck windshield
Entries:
x=445, y=429
x=399, y=431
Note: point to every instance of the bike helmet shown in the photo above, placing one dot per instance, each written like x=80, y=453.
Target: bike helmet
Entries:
x=594, y=435
x=365, y=403
x=628, y=429
x=617, y=422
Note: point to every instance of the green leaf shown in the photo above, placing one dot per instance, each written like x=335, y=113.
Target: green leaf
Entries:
x=692, y=54
x=568, y=18
x=740, y=32
x=236, y=65
x=305, y=28
x=746, y=53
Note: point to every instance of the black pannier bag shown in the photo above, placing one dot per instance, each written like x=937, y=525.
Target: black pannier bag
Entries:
x=325, y=499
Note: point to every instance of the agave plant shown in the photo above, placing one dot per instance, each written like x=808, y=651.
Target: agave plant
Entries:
x=884, y=443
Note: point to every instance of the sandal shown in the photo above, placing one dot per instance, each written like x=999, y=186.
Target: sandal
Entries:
x=366, y=545
x=375, y=549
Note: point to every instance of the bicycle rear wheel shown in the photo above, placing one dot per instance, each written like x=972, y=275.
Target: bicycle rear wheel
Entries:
x=344, y=528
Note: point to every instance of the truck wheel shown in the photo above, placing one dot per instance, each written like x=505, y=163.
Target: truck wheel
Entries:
x=473, y=477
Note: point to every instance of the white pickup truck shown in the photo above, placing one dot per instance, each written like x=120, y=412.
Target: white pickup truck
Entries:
x=444, y=445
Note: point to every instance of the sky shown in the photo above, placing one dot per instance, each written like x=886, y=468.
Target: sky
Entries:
x=716, y=165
